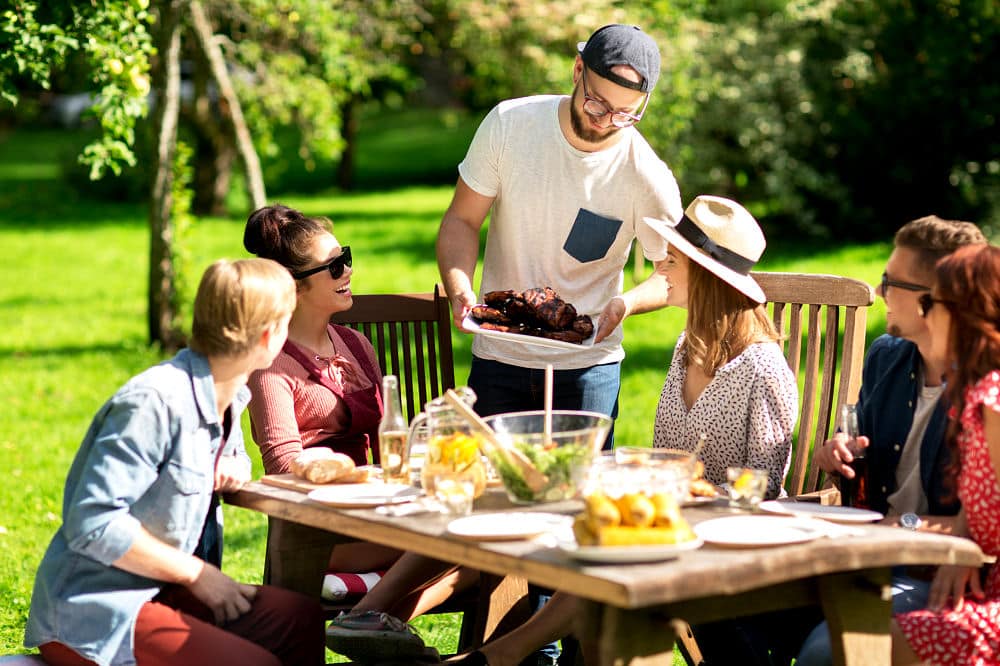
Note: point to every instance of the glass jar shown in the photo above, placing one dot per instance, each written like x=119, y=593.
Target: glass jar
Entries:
x=448, y=441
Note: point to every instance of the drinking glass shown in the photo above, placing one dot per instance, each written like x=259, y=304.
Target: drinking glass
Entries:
x=746, y=486
x=455, y=490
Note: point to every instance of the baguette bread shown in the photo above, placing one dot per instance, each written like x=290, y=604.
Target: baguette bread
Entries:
x=322, y=465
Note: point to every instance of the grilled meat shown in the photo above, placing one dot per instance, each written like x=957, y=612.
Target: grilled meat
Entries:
x=485, y=313
x=553, y=312
x=583, y=325
x=537, y=311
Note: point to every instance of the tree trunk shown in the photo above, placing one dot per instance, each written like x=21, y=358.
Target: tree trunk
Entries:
x=167, y=83
x=349, y=131
x=206, y=40
x=214, y=149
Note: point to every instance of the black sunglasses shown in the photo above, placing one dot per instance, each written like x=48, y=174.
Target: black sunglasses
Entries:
x=336, y=267
x=926, y=302
x=909, y=286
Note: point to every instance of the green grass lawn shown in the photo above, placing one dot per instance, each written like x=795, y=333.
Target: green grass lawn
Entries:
x=72, y=307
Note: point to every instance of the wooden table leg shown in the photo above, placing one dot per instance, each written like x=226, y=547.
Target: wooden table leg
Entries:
x=612, y=636
x=502, y=606
x=858, y=608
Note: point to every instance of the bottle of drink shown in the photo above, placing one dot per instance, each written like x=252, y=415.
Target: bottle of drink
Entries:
x=392, y=435
x=854, y=492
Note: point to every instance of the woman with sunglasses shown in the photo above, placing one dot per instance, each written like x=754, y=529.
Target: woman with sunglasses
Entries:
x=961, y=624
x=324, y=387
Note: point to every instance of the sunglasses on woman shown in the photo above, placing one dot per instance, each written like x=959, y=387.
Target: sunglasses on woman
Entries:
x=336, y=267
x=926, y=302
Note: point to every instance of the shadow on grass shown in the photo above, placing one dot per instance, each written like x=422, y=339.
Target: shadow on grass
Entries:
x=73, y=351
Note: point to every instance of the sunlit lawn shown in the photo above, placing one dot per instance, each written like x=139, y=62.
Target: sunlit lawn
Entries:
x=72, y=298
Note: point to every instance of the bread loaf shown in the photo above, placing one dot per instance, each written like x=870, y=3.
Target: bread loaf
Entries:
x=356, y=475
x=322, y=465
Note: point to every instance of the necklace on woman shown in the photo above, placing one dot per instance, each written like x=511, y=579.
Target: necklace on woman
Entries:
x=327, y=359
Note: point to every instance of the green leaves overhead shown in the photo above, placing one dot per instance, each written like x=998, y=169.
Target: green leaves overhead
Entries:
x=37, y=39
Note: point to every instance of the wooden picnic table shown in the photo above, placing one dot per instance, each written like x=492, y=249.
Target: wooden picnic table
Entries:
x=628, y=608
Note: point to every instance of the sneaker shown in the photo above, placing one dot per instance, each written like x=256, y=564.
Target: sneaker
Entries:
x=373, y=637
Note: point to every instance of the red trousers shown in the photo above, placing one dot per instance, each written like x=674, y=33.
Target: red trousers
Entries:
x=283, y=628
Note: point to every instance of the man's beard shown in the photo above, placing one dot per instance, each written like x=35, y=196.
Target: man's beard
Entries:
x=581, y=127
x=894, y=330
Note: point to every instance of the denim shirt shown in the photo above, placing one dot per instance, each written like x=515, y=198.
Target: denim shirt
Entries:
x=147, y=460
x=889, y=388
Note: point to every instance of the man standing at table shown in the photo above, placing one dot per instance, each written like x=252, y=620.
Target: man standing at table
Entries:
x=567, y=179
x=900, y=414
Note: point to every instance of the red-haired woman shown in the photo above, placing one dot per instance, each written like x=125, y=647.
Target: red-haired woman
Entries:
x=963, y=315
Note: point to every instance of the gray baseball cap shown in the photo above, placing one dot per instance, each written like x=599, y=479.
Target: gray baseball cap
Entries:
x=618, y=44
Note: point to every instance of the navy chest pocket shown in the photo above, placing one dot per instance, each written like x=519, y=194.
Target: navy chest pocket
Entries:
x=591, y=236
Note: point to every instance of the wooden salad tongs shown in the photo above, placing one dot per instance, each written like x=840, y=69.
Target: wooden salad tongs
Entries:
x=533, y=478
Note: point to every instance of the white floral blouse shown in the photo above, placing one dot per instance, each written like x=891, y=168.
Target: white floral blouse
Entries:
x=747, y=411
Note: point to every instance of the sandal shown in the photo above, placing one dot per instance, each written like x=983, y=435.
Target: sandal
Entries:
x=373, y=636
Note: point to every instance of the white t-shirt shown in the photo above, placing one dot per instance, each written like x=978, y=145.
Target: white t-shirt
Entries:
x=909, y=495
x=562, y=218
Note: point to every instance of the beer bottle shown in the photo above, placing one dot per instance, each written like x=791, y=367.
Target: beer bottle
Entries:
x=393, y=451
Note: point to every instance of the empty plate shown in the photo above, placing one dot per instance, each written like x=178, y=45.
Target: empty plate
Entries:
x=756, y=531
x=838, y=514
x=508, y=526
x=364, y=494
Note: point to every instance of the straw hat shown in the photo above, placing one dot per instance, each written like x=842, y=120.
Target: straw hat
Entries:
x=720, y=235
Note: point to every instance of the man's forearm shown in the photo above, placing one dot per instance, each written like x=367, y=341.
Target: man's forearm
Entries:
x=457, y=252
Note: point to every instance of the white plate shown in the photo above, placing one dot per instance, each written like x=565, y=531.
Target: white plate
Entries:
x=756, y=531
x=627, y=554
x=365, y=494
x=508, y=526
x=470, y=325
x=837, y=514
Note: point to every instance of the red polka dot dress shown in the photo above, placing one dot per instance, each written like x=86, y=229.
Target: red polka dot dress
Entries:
x=971, y=635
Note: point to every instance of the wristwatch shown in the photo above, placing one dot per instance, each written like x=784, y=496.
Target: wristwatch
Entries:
x=910, y=521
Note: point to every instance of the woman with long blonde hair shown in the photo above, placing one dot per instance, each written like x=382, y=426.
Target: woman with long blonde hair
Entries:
x=728, y=378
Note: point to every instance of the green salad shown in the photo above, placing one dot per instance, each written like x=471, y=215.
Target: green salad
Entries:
x=562, y=465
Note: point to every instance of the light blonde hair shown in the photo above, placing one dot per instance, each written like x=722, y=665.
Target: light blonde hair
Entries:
x=237, y=301
x=722, y=321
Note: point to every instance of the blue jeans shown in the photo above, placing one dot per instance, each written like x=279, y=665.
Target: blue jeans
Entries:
x=503, y=388
x=908, y=594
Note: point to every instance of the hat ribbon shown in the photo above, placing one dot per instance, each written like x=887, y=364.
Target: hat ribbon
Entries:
x=692, y=233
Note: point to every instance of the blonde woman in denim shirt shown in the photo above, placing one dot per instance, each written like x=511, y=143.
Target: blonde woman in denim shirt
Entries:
x=119, y=583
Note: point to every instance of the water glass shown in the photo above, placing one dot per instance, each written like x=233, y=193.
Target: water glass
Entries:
x=455, y=490
x=746, y=486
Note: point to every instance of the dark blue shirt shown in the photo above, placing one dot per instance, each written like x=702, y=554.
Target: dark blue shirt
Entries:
x=891, y=382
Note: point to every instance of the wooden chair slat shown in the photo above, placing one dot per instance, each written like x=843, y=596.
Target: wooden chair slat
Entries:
x=832, y=360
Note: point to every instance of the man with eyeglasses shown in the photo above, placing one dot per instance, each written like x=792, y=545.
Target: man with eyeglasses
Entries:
x=901, y=417
x=565, y=180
